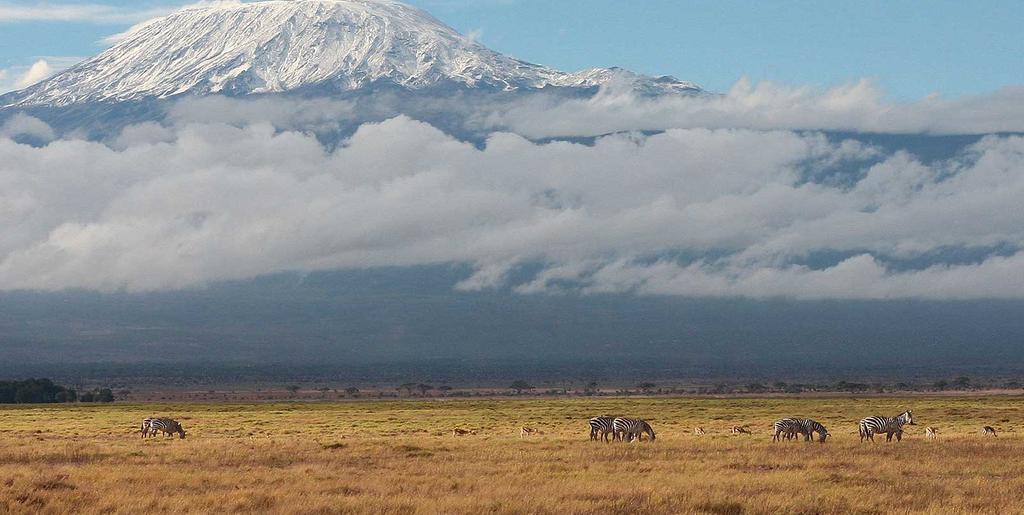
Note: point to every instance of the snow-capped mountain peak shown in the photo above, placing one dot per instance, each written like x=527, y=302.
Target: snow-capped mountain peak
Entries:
x=284, y=45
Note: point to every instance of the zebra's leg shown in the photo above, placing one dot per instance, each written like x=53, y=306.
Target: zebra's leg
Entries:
x=899, y=436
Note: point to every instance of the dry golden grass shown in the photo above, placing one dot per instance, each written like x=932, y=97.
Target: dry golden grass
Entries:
x=400, y=457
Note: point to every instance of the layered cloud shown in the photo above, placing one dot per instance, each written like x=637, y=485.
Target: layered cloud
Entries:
x=228, y=189
x=859, y=106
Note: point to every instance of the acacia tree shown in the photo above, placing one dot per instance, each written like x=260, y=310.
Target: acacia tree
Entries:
x=647, y=387
x=520, y=386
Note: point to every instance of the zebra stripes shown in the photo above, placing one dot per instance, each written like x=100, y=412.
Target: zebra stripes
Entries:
x=888, y=425
x=601, y=427
x=620, y=429
x=626, y=429
x=168, y=426
x=792, y=427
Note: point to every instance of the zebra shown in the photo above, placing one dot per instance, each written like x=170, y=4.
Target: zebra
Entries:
x=791, y=427
x=931, y=433
x=989, y=431
x=699, y=431
x=601, y=427
x=626, y=429
x=166, y=425
x=147, y=427
x=785, y=428
x=888, y=425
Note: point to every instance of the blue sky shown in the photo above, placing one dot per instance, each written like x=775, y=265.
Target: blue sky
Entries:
x=912, y=49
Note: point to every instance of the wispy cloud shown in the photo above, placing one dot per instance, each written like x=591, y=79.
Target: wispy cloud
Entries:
x=77, y=12
x=21, y=76
x=35, y=73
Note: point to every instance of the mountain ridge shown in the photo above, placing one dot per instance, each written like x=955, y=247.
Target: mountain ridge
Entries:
x=276, y=46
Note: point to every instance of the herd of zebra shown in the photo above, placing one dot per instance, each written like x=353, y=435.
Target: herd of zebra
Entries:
x=622, y=429
x=626, y=429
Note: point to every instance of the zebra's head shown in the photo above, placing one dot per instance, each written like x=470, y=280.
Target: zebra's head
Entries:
x=649, y=430
x=823, y=435
x=181, y=432
x=908, y=418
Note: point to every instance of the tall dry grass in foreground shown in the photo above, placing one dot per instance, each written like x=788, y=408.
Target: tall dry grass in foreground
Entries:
x=399, y=457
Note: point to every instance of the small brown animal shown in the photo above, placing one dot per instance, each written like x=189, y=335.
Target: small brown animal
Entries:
x=931, y=432
x=699, y=431
x=737, y=430
x=458, y=431
x=528, y=431
x=989, y=431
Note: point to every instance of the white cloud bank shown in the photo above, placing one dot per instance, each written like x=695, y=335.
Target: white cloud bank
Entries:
x=859, y=106
x=197, y=201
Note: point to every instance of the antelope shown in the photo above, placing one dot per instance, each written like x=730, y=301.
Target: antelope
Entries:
x=458, y=431
x=528, y=431
x=931, y=432
x=989, y=431
x=699, y=431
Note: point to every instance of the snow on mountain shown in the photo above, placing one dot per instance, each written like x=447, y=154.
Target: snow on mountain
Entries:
x=285, y=45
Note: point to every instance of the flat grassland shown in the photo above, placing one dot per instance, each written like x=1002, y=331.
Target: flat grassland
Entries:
x=400, y=457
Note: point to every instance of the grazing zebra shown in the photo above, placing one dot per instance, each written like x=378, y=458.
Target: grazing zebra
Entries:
x=625, y=429
x=167, y=426
x=699, y=431
x=528, y=431
x=931, y=433
x=601, y=427
x=888, y=425
x=737, y=430
x=458, y=431
x=789, y=428
x=989, y=431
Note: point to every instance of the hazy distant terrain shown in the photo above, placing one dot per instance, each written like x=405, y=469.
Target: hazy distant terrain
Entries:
x=393, y=324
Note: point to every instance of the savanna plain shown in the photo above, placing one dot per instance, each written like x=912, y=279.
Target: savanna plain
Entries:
x=401, y=457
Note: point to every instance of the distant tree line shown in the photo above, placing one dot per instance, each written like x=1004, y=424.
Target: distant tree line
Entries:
x=42, y=391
